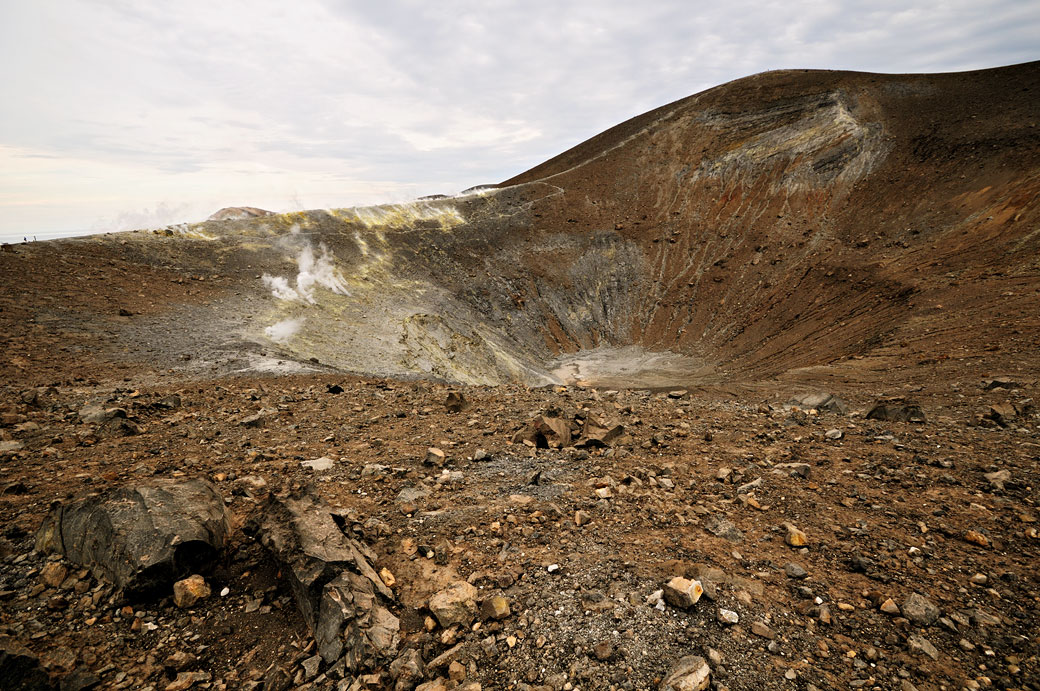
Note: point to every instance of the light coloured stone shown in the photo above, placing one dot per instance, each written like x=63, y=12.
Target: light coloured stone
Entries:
x=456, y=604
x=682, y=593
x=190, y=590
x=691, y=673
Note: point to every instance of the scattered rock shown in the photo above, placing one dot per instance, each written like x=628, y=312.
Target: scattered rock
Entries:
x=691, y=673
x=976, y=538
x=795, y=537
x=728, y=616
x=190, y=590
x=920, y=610
x=794, y=570
x=319, y=464
x=822, y=402
x=495, y=607
x=759, y=628
x=682, y=593
x=920, y=644
x=455, y=402
x=434, y=457
x=834, y=434
x=545, y=432
x=53, y=574
x=890, y=607
x=896, y=410
x=141, y=537
x=720, y=526
x=456, y=604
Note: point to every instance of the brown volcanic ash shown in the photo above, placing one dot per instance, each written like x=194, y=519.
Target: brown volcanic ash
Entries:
x=796, y=223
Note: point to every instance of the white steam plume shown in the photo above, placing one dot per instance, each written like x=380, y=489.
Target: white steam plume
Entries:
x=314, y=271
x=283, y=330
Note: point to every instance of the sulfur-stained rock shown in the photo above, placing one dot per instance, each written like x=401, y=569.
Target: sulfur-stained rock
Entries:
x=141, y=537
x=495, y=607
x=188, y=591
x=795, y=537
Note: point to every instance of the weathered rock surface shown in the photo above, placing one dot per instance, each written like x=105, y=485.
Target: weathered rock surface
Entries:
x=337, y=591
x=141, y=537
x=456, y=604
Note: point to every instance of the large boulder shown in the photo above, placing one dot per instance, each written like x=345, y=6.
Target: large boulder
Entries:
x=338, y=592
x=141, y=537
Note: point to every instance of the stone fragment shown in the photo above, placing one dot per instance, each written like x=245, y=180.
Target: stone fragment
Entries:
x=599, y=432
x=185, y=680
x=834, y=434
x=337, y=591
x=794, y=570
x=720, y=526
x=434, y=457
x=896, y=410
x=998, y=479
x=456, y=671
x=311, y=665
x=190, y=590
x=53, y=574
x=603, y=651
x=456, y=604
x=582, y=518
x=141, y=537
x=890, y=607
x=682, y=593
x=455, y=402
x=257, y=419
x=495, y=607
x=759, y=628
x=795, y=537
x=976, y=538
x=545, y=432
x=407, y=670
x=793, y=469
x=821, y=402
x=728, y=616
x=920, y=610
x=319, y=465
x=1000, y=383
x=691, y=673
x=920, y=644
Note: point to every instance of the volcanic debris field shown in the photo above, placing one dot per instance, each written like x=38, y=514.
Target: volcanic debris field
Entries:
x=739, y=394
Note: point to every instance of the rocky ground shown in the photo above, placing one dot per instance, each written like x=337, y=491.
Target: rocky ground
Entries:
x=833, y=550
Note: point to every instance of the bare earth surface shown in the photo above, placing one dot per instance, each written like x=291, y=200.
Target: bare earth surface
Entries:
x=682, y=282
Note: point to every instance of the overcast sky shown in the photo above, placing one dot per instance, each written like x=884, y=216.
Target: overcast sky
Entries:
x=123, y=114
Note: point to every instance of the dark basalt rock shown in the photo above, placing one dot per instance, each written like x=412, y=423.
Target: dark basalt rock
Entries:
x=142, y=537
x=338, y=592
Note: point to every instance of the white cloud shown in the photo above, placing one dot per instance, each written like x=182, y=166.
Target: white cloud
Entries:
x=120, y=106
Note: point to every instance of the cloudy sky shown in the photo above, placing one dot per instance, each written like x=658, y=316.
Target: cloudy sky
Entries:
x=122, y=114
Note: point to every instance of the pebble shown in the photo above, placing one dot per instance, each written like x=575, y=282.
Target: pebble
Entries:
x=760, y=628
x=794, y=570
x=890, y=607
x=795, y=537
x=834, y=434
x=728, y=616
